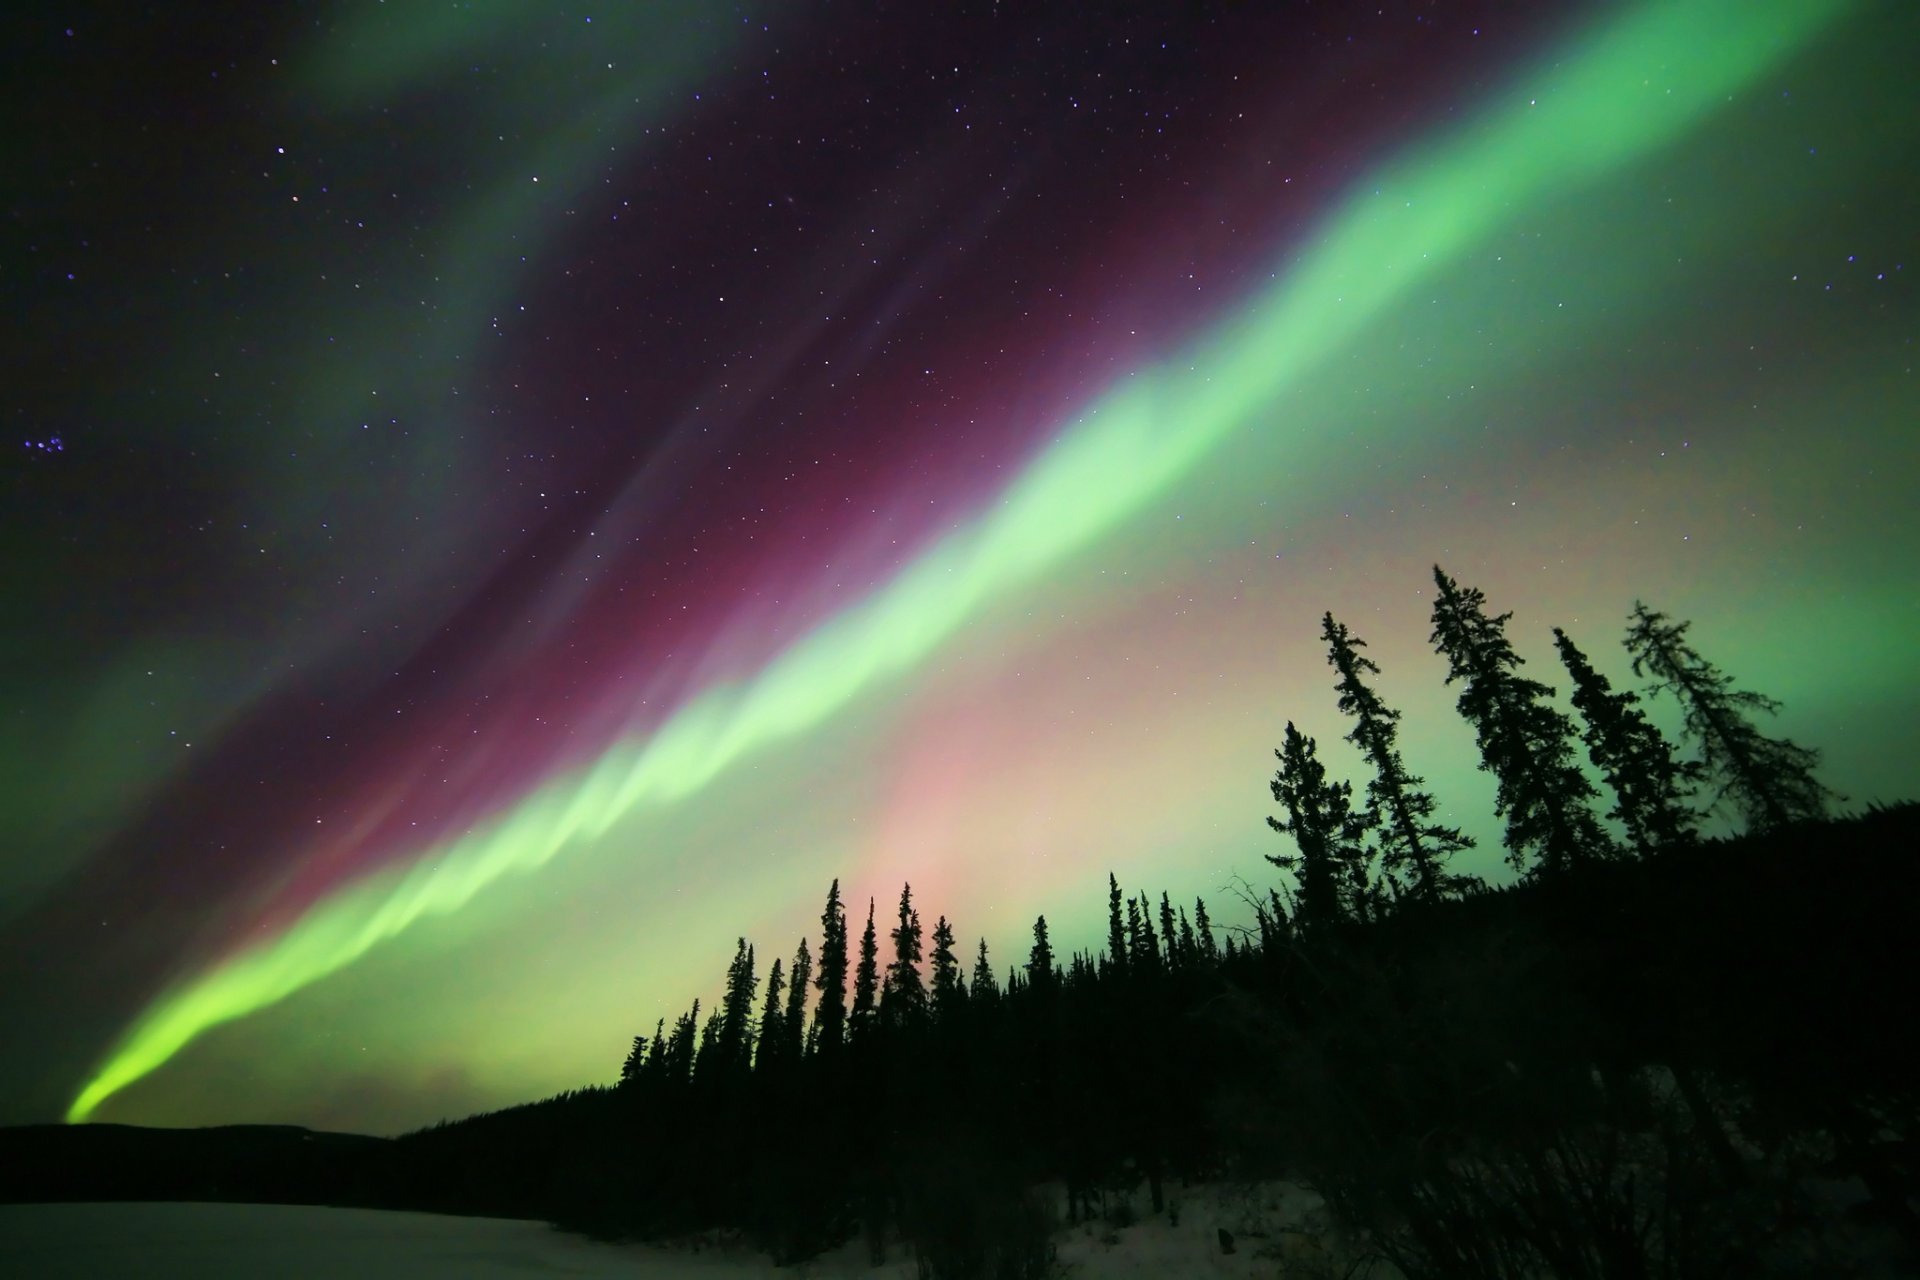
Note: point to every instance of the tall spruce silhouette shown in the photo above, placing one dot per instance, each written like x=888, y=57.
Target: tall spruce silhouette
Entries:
x=1040, y=976
x=772, y=1038
x=734, y=1038
x=655, y=1069
x=1146, y=959
x=636, y=1063
x=986, y=988
x=1275, y=927
x=793, y=1024
x=1189, y=948
x=1413, y=849
x=709, y=1069
x=1768, y=781
x=1650, y=787
x=681, y=1046
x=830, y=1018
x=1525, y=743
x=866, y=981
x=903, y=996
x=1116, y=932
x=1169, y=940
x=1203, y=933
x=949, y=987
x=1324, y=828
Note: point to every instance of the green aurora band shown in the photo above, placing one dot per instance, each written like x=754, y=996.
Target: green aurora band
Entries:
x=1618, y=94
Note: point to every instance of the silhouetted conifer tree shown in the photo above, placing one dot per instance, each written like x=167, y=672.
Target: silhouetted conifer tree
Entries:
x=903, y=997
x=1168, y=940
x=1321, y=820
x=986, y=988
x=1525, y=743
x=1203, y=932
x=1272, y=922
x=1279, y=926
x=1133, y=933
x=1768, y=781
x=830, y=1018
x=866, y=979
x=1040, y=959
x=1650, y=787
x=793, y=1023
x=1229, y=954
x=1189, y=948
x=736, y=1013
x=949, y=989
x=635, y=1066
x=772, y=1039
x=1397, y=809
x=680, y=1047
x=1147, y=960
x=706, y=1058
x=656, y=1068
x=1116, y=937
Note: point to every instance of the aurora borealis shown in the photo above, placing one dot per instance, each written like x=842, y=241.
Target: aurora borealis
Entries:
x=580, y=483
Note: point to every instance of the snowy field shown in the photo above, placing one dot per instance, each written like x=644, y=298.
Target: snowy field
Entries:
x=297, y=1242
x=291, y=1242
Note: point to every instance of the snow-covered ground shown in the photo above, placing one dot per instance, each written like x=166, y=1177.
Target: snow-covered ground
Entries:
x=292, y=1242
x=296, y=1242
x=1278, y=1229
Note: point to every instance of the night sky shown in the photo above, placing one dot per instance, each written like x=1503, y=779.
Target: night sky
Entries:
x=500, y=499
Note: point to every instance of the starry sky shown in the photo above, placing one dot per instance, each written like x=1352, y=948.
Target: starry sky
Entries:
x=500, y=499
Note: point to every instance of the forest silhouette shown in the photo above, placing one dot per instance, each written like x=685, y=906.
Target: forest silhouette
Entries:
x=1651, y=1053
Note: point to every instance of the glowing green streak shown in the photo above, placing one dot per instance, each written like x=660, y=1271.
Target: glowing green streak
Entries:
x=1627, y=90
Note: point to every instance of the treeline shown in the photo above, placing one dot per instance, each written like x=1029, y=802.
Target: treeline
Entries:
x=1595, y=1068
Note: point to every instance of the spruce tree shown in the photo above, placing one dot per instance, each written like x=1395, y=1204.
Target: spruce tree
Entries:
x=1410, y=844
x=1189, y=948
x=1321, y=820
x=707, y=1067
x=1168, y=941
x=1116, y=937
x=680, y=1047
x=866, y=980
x=1276, y=930
x=1147, y=959
x=794, y=1023
x=736, y=1013
x=1525, y=743
x=1650, y=787
x=985, y=987
x=1203, y=932
x=831, y=1017
x=1040, y=958
x=656, y=1068
x=1768, y=781
x=1282, y=925
x=772, y=1038
x=949, y=990
x=903, y=997
x=636, y=1063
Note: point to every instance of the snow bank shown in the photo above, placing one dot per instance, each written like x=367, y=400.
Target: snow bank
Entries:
x=1276, y=1229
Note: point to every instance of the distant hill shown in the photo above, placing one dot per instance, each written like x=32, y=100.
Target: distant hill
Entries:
x=269, y=1164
